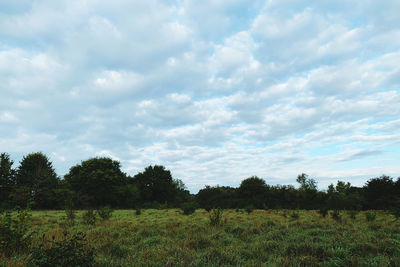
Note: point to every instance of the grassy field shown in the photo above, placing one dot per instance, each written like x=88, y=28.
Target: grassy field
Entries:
x=261, y=238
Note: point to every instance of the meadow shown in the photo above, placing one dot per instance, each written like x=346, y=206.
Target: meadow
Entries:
x=260, y=238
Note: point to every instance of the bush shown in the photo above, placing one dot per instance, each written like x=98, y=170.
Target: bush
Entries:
x=352, y=214
x=188, y=208
x=14, y=231
x=216, y=217
x=70, y=212
x=295, y=215
x=323, y=212
x=336, y=215
x=68, y=252
x=370, y=216
x=105, y=212
x=396, y=213
x=89, y=217
x=249, y=209
x=138, y=211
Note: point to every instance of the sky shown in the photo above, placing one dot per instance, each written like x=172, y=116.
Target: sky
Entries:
x=216, y=91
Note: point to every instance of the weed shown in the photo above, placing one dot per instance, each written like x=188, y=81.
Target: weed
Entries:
x=89, y=217
x=68, y=252
x=105, y=212
x=138, y=211
x=188, y=208
x=215, y=217
x=370, y=216
x=352, y=214
x=14, y=231
x=70, y=212
x=323, y=212
x=295, y=215
x=336, y=215
x=249, y=209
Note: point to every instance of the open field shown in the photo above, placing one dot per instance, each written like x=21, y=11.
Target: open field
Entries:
x=261, y=238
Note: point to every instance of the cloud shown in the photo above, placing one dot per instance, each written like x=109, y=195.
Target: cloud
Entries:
x=216, y=92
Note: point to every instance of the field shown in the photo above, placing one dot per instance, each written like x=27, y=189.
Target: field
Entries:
x=261, y=238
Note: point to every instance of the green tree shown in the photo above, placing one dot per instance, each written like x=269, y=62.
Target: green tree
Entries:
x=99, y=182
x=307, y=193
x=380, y=193
x=252, y=191
x=7, y=175
x=157, y=185
x=37, y=180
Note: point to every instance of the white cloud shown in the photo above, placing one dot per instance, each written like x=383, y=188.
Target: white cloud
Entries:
x=216, y=91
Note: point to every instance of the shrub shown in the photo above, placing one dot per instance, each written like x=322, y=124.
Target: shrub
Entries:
x=70, y=212
x=396, y=213
x=323, y=212
x=370, y=216
x=249, y=209
x=89, y=217
x=352, y=214
x=14, y=231
x=138, y=211
x=105, y=212
x=295, y=215
x=188, y=208
x=336, y=215
x=216, y=217
x=68, y=252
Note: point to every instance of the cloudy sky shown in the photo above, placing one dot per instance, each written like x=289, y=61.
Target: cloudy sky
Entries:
x=214, y=90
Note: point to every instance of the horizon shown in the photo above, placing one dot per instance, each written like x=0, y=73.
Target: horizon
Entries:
x=216, y=92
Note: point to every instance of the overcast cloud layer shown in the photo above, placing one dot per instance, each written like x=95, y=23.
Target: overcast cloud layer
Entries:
x=216, y=91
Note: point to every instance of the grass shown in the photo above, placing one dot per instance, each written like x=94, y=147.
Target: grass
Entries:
x=261, y=238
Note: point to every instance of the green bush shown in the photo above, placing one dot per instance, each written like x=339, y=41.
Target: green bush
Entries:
x=70, y=212
x=188, y=208
x=14, y=231
x=323, y=212
x=68, y=252
x=352, y=214
x=249, y=209
x=370, y=216
x=138, y=211
x=336, y=215
x=396, y=212
x=105, y=212
x=89, y=217
x=295, y=215
x=215, y=217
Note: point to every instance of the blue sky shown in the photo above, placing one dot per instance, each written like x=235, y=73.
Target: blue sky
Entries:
x=216, y=91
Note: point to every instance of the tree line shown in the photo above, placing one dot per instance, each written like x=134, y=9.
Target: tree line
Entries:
x=99, y=181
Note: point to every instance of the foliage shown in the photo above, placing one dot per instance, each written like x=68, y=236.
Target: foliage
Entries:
x=189, y=208
x=249, y=209
x=105, y=212
x=7, y=175
x=70, y=212
x=216, y=216
x=89, y=217
x=323, y=211
x=67, y=252
x=14, y=231
x=352, y=214
x=98, y=182
x=370, y=216
x=295, y=215
x=138, y=211
x=335, y=214
x=37, y=180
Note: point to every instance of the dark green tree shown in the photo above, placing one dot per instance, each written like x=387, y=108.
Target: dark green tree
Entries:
x=157, y=185
x=99, y=182
x=307, y=193
x=7, y=175
x=380, y=193
x=253, y=191
x=36, y=179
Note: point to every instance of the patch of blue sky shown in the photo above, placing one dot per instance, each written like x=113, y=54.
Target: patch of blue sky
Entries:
x=324, y=150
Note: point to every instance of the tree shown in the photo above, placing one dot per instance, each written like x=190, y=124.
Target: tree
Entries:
x=307, y=192
x=7, y=175
x=252, y=191
x=99, y=182
x=157, y=185
x=380, y=192
x=36, y=179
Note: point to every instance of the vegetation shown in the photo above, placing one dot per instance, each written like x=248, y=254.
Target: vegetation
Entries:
x=251, y=225
x=169, y=238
